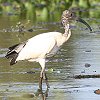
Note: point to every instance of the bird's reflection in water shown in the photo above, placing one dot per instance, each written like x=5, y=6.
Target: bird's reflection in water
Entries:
x=38, y=95
x=43, y=94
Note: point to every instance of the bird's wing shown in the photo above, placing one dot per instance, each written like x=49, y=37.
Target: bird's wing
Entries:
x=37, y=48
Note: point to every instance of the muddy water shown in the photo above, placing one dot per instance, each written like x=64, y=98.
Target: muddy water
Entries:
x=79, y=56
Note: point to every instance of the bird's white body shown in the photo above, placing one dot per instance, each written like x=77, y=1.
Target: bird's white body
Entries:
x=41, y=46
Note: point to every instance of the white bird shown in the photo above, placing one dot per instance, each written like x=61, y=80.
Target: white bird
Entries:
x=44, y=45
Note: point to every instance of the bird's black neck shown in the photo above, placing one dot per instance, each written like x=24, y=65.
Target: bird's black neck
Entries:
x=67, y=29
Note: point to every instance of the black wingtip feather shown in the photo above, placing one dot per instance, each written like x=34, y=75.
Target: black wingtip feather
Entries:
x=13, y=61
x=14, y=52
x=13, y=55
x=10, y=54
x=12, y=47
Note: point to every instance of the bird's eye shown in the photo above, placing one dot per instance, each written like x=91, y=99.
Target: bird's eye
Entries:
x=71, y=14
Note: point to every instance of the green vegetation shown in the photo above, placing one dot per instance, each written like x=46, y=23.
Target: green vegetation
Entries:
x=47, y=10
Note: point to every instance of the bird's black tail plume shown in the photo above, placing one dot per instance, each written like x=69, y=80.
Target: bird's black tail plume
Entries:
x=14, y=51
x=12, y=54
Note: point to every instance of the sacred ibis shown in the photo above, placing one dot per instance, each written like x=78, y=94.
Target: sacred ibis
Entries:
x=44, y=45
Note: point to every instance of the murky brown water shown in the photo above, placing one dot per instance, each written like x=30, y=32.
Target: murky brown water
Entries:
x=79, y=56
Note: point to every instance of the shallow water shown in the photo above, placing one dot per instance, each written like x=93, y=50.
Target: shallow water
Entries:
x=79, y=56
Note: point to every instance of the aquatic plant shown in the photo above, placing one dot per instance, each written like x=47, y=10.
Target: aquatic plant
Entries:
x=44, y=10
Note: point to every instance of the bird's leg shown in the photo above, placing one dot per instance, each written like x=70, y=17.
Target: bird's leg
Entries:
x=40, y=81
x=43, y=74
x=42, y=63
x=46, y=79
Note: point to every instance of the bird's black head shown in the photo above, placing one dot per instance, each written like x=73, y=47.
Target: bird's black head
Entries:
x=69, y=15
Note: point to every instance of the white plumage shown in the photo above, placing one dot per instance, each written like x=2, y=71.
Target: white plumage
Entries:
x=41, y=46
x=44, y=45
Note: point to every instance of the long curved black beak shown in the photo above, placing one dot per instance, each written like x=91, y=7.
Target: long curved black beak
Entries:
x=82, y=21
